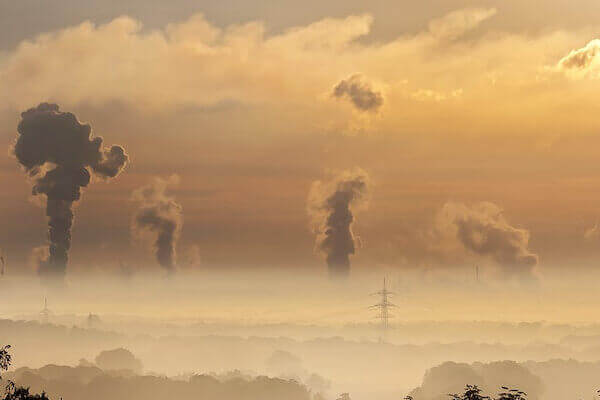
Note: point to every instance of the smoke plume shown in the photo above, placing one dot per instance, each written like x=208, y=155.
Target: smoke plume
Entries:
x=60, y=154
x=482, y=229
x=161, y=215
x=331, y=205
x=359, y=92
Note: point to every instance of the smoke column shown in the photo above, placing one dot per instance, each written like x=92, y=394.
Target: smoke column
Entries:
x=330, y=206
x=60, y=154
x=160, y=215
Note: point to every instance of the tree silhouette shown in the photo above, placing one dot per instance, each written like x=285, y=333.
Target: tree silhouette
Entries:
x=11, y=391
x=511, y=394
x=473, y=392
x=5, y=358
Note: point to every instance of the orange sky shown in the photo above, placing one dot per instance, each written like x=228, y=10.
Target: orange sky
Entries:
x=477, y=103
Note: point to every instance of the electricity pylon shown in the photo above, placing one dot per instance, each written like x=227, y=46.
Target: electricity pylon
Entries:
x=383, y=307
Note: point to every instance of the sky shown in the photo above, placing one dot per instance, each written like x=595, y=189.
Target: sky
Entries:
x=472, y=125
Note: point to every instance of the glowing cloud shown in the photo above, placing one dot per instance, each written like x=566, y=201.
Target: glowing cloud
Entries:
x=581, y=60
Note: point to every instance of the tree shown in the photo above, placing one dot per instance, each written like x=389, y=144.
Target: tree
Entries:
x=472, y=392
x=5, y=358
x=21, y=393
x=12, y=391
x=511, y=394
x=118, y=359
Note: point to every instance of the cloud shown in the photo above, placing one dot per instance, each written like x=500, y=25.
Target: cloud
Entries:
x=581, y=59
x=331, y=205
x=187, y=63
x=457, y=23
x=359, y=92
x=197, y=65
x=432, y=95
x=160, y=215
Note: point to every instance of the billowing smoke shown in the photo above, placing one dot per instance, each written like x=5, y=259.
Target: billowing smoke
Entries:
x=331, y=204
x=160, y=215
x=359, y=92
x=482, y=229
x=60, y=154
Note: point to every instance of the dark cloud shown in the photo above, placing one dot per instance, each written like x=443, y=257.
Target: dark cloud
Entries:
x=330, y=205
x=159, y=214
x=359, y=92
x=60, y=154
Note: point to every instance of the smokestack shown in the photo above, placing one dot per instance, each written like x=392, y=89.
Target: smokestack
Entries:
x=161, y=215
x=60, y=154
x=331, y=204
x=2, y=263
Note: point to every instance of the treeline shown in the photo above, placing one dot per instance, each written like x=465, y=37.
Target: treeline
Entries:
x=92, y=383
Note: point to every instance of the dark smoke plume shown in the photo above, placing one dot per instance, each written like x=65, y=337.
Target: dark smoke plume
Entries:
x=160, y=215
x=331, y=205
x=60, y=154
x=482, y=229
x=359, y=92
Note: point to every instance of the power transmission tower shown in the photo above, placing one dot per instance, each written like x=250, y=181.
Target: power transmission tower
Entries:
x=383, y=308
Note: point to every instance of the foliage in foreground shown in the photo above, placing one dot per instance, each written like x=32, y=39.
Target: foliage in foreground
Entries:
x=11, y=391
x=473, y=392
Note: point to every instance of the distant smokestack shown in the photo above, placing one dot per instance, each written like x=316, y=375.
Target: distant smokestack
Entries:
x=330, y=205
x=160, y=215
x=60, y=154
x=2, y=263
